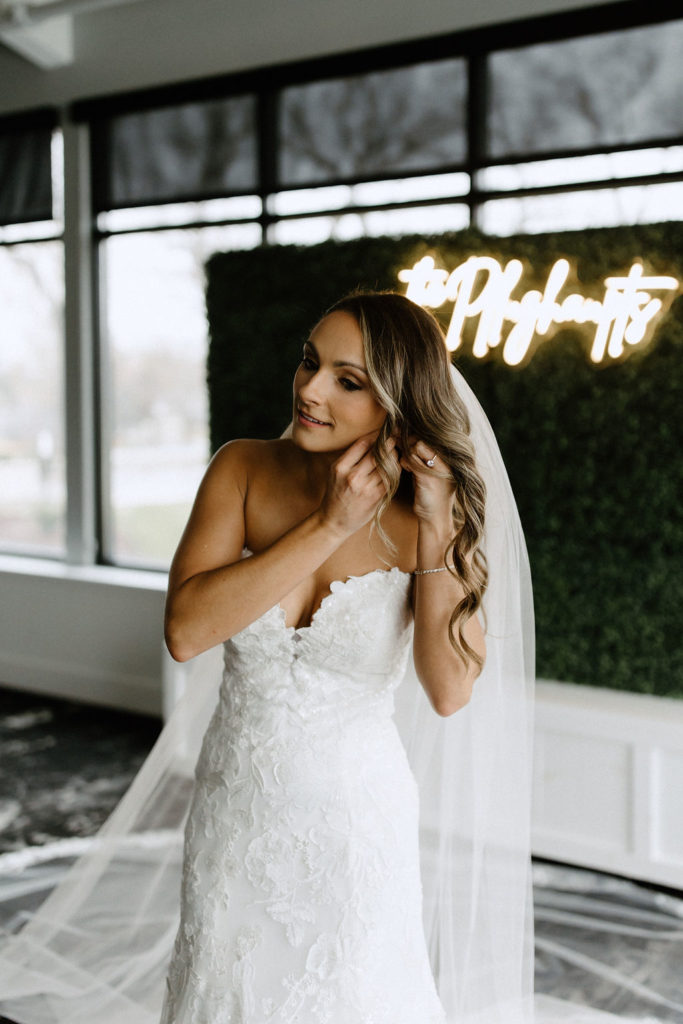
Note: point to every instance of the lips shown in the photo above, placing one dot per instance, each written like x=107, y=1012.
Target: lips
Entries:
x=306, y=418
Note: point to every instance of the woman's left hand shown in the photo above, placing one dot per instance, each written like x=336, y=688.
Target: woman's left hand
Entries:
x=433, y=482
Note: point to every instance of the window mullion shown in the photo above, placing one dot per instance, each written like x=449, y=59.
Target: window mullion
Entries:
x=477, y=84
x=79, y=349
x=267, y=128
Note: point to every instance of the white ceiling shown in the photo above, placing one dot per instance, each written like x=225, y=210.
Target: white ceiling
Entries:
x=42, y=31
x=149, y=42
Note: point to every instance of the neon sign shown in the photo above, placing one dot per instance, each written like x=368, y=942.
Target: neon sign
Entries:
x=482, y=287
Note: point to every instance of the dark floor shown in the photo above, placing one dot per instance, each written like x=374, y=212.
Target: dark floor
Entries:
x=604, y=941
x=64, y=766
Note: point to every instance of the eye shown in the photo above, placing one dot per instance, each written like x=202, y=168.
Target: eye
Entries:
x=348, y=384
x=308, y=363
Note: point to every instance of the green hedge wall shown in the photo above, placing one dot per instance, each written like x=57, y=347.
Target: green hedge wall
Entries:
x=595, y=454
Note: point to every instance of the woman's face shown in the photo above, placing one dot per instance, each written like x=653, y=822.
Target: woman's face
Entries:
x=333, y=402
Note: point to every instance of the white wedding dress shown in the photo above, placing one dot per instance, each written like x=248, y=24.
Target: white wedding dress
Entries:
x=301, y=891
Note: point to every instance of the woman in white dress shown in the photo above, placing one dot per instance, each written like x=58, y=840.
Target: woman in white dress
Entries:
x=332, y=873
x=320, y=884
x=301, y=886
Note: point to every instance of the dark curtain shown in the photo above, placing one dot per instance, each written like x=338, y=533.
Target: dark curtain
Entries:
x=25, y=171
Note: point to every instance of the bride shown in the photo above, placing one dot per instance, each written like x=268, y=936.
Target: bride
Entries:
x=357, y=844
x=301, y=889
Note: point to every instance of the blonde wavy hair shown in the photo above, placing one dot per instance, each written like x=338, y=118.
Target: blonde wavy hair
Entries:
x=409, y=371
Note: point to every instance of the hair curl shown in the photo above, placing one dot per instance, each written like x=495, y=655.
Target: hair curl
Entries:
x=408, y=367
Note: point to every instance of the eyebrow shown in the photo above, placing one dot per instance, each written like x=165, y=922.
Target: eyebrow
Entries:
x=338, y=362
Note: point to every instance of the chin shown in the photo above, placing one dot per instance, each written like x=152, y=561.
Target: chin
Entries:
x=317, y=443
x=312, y=444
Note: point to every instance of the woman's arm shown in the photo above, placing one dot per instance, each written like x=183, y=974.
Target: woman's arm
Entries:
x=446, y=679
x=213, y=592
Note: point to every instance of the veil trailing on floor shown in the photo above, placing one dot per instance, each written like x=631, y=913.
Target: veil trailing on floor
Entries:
x=97, y=950
x=474, y=774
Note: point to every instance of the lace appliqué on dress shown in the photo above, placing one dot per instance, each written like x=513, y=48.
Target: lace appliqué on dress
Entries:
x=301, y=899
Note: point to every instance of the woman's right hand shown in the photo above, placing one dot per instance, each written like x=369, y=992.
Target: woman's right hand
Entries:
x=355, y=487
x=213, y=593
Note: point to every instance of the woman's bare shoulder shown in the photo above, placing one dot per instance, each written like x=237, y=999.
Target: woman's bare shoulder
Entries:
x=240, y=471
x=248, y=454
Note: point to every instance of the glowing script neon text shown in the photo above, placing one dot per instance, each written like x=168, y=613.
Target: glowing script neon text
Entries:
x=482, y=287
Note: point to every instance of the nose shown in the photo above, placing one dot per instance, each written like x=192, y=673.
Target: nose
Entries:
x=313, y=390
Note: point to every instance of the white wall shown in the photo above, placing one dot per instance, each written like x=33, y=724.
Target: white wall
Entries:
x=608, y=781
x=157, y=41
x=93, y=634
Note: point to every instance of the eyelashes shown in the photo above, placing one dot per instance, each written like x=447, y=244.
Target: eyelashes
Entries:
x=346, y=382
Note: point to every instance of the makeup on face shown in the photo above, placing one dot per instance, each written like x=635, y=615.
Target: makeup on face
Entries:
x=333, y=401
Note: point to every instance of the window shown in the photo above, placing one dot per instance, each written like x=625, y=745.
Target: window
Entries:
x=154, y=243
x=32, y=469
x=154, y=351
x=614, y=88
x=374, y=124
x=174, y=184
x=572, y=211
x=191, y=151
x=512, y=129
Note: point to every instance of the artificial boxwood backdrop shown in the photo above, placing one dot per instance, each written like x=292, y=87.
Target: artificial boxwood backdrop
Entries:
x=594, y=453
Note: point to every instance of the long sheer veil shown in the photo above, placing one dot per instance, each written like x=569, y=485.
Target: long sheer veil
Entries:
x=98, y=948
x=474, y=774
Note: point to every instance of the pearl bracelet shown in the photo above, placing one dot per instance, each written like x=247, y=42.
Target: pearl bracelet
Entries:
x=423, y=572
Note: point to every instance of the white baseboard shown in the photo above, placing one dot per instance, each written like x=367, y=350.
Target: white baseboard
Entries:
x=79, y=682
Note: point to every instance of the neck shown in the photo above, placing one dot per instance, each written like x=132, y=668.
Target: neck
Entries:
x=315, y=469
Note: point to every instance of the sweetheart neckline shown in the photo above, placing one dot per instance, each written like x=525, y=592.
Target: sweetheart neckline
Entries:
x=337, y=584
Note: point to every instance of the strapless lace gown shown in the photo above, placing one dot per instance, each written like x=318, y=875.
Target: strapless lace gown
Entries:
x=301, y=896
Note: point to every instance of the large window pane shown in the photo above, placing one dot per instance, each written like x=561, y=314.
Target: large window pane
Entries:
x=573, y=211
x=176, y=215
x=429, y=220
x=156, y=376
x=32, y=476
x=191, y=151
x=380, y=123
x=571, y=170
x=369, y=193
x=609, y=89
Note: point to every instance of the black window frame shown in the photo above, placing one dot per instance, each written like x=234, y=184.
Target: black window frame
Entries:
x=266, y=83
x=473, y=45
